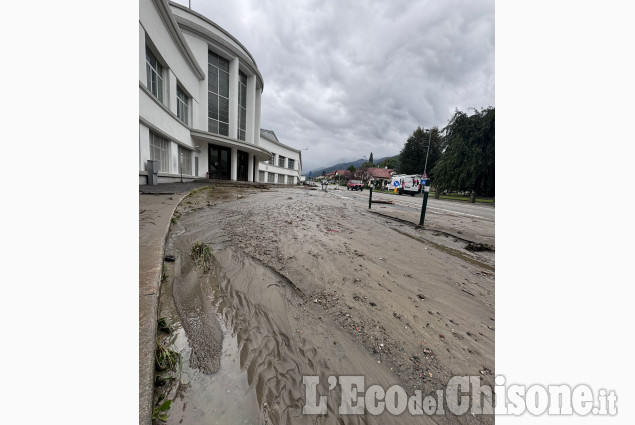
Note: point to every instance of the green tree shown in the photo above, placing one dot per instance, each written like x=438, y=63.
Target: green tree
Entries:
x=412, y=158
x=370, y=160
x=467, y=162
x=352, y=168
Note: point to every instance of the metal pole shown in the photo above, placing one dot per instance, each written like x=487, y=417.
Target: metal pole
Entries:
x=370, y=198
x=429, y=141
x=423, y=207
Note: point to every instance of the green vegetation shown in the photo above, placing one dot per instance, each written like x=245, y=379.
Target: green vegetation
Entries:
x=161, y=408
x=467, y=162
x=392, y=163
x=412, y=159
x=163, y=326
x=164, y=274
x=466, y=198
x=165, y=358
x=202, y=256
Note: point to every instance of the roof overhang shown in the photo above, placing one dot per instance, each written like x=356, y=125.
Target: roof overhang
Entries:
x=215, y=139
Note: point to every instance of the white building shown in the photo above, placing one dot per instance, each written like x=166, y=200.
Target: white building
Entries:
x=285, y=164
x=199, y=98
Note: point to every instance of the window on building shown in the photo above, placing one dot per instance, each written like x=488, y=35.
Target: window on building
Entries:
x=181, y=105
x=160, y=152
x=185, y=161
x=271, y=178
x=291, y=163
x=154, y=75
x=281, y=161
x=242, y=105
x=261, y=176
x=218, y=94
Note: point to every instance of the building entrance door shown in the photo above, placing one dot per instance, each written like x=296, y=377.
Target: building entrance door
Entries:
x=219, y=162
x=243, y=166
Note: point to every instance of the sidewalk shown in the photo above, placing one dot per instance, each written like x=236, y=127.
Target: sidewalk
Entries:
x=155, y=212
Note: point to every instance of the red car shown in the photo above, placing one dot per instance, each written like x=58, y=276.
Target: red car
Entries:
x=355, y=185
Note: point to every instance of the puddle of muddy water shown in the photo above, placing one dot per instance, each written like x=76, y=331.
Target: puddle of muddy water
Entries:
x=220, y=398
x=223, y=397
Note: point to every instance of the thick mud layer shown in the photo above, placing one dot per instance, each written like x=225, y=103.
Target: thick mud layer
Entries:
x=304, y=284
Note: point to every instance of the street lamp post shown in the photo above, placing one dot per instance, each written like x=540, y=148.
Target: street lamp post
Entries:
x=429, y=141
x=426, y=188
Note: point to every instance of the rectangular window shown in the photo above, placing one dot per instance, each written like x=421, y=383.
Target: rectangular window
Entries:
x=218, y=94
x=181, y=105
x=271, y=178
x=154, y=75
x=185, y=161
x=281, y=161
x=242, y=105
x=261, y=176
x=160, y=152
x=291, y=163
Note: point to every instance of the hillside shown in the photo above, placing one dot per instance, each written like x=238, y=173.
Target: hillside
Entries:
x=343, y=166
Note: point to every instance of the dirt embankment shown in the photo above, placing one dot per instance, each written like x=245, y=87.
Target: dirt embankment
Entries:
x=310, y=284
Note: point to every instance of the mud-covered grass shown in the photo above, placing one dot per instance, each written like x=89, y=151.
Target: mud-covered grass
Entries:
x=202, y=256
x=167, y=362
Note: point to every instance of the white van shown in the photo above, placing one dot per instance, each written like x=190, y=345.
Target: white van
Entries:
x=406, y=183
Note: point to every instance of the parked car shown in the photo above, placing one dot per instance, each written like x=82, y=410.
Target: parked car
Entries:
x=355, y=185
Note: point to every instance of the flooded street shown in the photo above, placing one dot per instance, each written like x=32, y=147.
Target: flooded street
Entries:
x=303, y=283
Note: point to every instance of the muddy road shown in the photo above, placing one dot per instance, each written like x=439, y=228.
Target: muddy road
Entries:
x=304, y=282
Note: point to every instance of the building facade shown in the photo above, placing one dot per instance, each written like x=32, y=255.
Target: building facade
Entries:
x=199, y=98
x=284, y=166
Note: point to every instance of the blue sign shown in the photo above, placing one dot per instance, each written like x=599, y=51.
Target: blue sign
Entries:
x=310, y=173
x=396, y=183
x=424, y=182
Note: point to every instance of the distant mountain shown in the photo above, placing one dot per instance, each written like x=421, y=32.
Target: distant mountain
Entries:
x=341, y=166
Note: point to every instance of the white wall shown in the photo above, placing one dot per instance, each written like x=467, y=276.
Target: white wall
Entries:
x=168, y=52
x=282, y=172
x=199, y=49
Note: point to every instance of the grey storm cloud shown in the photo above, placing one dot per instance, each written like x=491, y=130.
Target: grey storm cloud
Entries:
x=344, y=78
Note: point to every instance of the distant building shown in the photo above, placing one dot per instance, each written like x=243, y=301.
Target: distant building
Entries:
x=380, y=176
x=284, y=166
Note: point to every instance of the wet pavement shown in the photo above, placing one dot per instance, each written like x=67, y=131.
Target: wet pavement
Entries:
x=155, y=212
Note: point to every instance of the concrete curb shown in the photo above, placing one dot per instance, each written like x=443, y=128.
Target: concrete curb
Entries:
x=150, y=268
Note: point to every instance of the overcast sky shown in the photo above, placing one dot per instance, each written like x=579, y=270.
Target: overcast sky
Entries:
x=344, y=78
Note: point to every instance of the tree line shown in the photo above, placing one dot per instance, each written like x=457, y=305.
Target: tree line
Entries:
x=460, y=157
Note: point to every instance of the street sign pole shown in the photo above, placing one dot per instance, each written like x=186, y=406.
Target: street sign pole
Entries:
x=426, y=191
x=370, y=198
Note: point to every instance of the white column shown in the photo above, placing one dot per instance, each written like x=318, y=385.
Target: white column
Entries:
x=234, y=166
x=144, y=146
x=174, y=158
x=251, y=109
x=250, y=168
x=233, y=98
x=171, y=91
x=142, y=56
x=257, y=124
x=266, y=177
